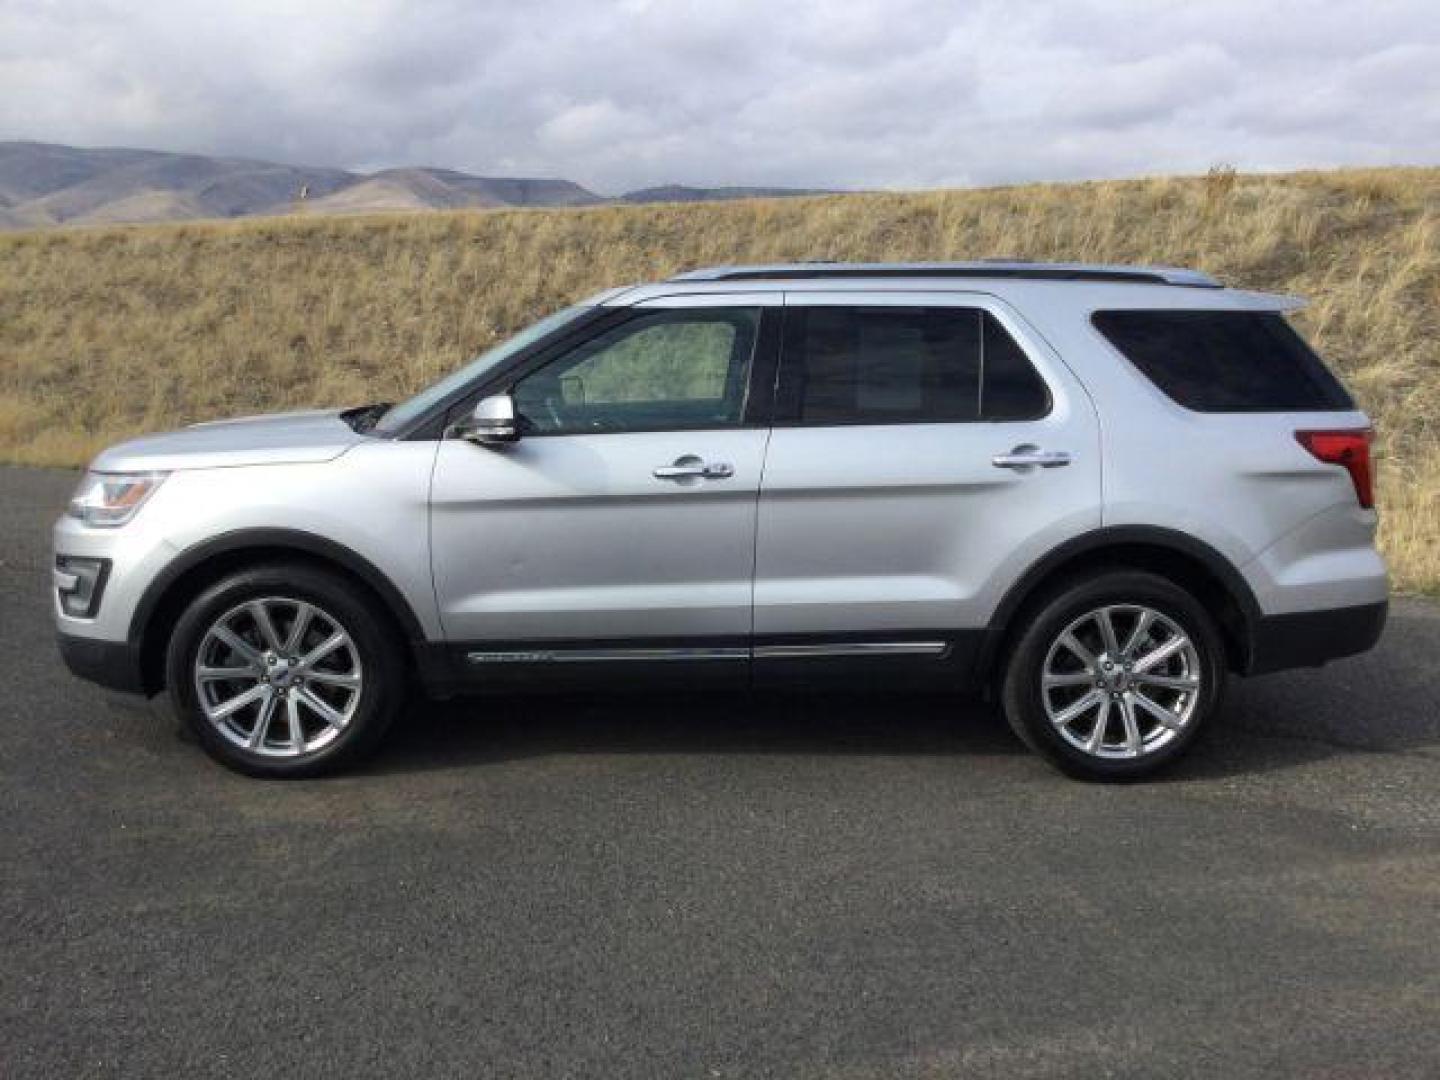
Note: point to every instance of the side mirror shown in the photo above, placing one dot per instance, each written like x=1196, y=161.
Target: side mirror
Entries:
x=492, y=424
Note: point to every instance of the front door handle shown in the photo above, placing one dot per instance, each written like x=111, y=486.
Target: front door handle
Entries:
x=691, y=467
x=1028, y=456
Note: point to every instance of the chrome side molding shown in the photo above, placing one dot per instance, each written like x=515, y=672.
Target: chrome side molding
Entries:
x=936, y=649
x=584, y=656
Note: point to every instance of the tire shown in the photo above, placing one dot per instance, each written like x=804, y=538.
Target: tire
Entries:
x=341, y=696
x=1048, y=680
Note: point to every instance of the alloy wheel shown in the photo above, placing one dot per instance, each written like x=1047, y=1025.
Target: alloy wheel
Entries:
x=1121, y=681
x=278, y=676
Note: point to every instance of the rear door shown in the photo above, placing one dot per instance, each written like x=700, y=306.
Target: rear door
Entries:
x=926, y=448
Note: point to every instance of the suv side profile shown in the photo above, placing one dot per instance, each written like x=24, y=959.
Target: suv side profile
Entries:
x=1090, y=490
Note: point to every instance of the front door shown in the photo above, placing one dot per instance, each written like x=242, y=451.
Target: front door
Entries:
x=619, y=530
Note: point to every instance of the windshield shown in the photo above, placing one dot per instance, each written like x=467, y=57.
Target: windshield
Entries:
x=400, y=415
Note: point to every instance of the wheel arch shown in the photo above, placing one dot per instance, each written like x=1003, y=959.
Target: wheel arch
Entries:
x=202, y=565
x=1190, y=563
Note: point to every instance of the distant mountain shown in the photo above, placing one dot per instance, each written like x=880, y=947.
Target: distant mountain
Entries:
x=57, y=185
x=684, y=193
x=434, y=189
x=42, y=184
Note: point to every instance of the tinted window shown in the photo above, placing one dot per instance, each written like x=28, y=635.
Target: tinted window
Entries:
x=1010, y=389
x=667, y=370
x=1225, y=361
x=899, y=365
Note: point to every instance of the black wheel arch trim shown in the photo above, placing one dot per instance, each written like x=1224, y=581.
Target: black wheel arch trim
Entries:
x=277, y=540
x=1119, y=536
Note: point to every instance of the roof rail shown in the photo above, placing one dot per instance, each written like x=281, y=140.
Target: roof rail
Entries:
x=1029, y=271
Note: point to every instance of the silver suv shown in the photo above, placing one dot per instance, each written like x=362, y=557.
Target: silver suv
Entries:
x=1089, y=490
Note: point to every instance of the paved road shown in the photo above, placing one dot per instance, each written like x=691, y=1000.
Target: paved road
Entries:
x=717, y=889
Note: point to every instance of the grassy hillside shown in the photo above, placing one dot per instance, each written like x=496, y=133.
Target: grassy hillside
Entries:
x=108, y=332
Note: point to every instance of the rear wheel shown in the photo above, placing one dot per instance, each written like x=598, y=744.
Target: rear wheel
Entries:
x=1114, y=676
x=285, y=671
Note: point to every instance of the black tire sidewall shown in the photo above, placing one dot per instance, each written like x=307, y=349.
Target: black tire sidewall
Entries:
x=1021, y=690
x=368, y=627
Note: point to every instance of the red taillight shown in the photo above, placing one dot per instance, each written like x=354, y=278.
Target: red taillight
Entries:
x=1349, y=448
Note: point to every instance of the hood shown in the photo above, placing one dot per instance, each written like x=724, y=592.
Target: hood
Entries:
x=281, y=439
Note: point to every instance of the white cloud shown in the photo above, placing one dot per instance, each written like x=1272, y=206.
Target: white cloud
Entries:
x=593, y=126
x=849, y=93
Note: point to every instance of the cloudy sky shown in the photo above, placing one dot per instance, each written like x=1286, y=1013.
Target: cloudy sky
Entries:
x=835, y=93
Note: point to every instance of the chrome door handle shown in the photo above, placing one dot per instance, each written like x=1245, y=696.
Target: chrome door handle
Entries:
x=1026, y=456
x=691, y=467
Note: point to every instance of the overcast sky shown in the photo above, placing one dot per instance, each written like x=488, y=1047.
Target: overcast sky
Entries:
x=832, y=93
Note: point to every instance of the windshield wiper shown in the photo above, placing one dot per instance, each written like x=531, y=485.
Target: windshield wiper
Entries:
x=364, y=417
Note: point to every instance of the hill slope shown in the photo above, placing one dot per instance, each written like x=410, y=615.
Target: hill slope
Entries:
x=685, y=193
x=107, y=332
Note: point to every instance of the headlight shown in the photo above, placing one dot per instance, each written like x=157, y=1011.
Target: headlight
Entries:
x=108, y=500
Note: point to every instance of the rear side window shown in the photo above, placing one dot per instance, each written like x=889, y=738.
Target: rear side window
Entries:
x=902, y=365
x=1225, y=361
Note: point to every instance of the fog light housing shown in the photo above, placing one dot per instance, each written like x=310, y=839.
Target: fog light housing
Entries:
x=79, y=583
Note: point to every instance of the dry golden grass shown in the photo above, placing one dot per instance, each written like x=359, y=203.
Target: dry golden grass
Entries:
x=109, y=332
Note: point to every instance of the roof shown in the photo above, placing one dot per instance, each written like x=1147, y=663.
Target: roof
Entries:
x=1000, y=268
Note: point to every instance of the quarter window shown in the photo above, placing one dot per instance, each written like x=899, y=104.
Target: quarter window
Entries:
x=1225, y=361
x=661, y=371
x=903, y=365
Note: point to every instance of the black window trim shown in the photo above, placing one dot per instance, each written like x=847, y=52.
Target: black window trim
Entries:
x=972, y=303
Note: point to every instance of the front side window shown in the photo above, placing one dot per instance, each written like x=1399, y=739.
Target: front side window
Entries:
x=665, y=370
x=903, y=365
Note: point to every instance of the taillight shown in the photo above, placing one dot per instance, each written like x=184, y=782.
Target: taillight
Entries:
x=1349, y=448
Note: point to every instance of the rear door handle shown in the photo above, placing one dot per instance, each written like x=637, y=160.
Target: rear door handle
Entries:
x=691, y=467
x=1027, y=456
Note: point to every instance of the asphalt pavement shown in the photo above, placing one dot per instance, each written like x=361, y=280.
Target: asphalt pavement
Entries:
x=860, y=887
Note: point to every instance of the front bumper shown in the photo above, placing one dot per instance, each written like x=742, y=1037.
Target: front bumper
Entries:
x=112, y=664
x=1311, y=638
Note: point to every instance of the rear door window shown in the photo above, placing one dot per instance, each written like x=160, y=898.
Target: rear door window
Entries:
x=903, y=365
x=1225, y=361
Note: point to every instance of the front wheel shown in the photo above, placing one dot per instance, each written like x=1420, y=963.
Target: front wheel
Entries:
x=285, y=671
x=1115, y=675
